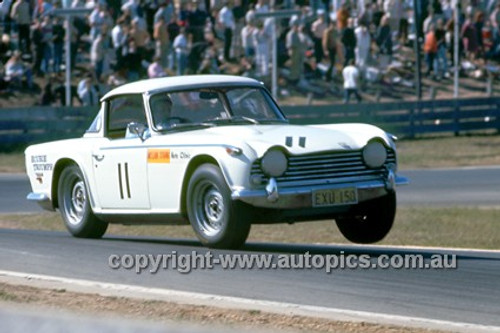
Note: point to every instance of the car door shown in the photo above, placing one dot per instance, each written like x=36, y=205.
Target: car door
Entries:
x=120, y=162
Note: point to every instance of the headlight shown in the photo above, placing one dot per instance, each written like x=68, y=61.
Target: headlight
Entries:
x=374, y=154
x=274, y=163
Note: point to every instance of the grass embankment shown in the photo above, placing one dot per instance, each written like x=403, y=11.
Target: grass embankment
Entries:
x=12, y=163
x=449, y=152
x=419, y=226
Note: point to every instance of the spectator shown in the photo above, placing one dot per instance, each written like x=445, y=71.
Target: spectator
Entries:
x=141, y=38
x=37, y=37
x=363, y=46
x=295, y=51
x=495, y=18
x=430, y=50
x=351, y=77
x=447, y=9
x=181, y=48
x=21, y=15
x=119, y=38
x=342, y=17
x=348, y=39
x=155, y=69
x=42, y=8
x=494, y=52
x=330, y=47
x=429, y=20
x=261, y=41
x=97, y=53
x=166, y=10
x=47, y=97
x=318, y=29
x=16, y=71
x=87, y=92
x=58, y=42
x=197, y=20
x=479, y=23
x=239, y=19
x=173, y=29
x=441, y=57
x=261, y=6
x=226, y=20
x=469, y=37
x=383, y=38
x=47, y=40
x=366, y=16
x=247, y=40
x=117, y=78
x=133, y=7
x=98, y=19
x=162, y=41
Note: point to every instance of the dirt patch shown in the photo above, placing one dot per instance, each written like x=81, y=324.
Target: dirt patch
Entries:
x=165, y=312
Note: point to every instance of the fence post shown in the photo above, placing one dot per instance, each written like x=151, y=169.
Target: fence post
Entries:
x=412, y=122
x=456, y=118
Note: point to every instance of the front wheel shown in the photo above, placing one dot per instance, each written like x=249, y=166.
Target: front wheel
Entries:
x=75, y=207
x=371, y=221
x=217, y=220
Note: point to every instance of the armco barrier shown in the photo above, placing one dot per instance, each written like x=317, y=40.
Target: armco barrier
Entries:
x=23, y=126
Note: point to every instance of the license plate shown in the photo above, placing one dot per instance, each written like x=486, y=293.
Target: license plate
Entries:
x=342, y=196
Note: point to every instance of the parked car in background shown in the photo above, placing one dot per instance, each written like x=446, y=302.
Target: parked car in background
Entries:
x=215, y=152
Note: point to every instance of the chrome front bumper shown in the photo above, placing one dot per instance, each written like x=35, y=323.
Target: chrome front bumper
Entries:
x=42, y=200
x=301, y=197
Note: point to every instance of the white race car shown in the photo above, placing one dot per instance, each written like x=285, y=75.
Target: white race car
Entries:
x=217, y=152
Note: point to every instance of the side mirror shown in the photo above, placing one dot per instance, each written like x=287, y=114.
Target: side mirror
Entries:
x=135, y=130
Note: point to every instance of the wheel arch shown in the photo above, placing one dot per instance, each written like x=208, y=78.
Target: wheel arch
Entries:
x=193, y=165
x=60, y=165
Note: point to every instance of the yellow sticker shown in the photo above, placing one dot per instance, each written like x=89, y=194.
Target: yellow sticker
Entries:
x=158, y=155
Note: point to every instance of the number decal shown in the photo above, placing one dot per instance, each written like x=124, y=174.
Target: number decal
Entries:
x=120, y=181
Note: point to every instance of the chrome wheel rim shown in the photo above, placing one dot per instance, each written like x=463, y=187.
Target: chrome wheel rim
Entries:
x=75, y=200
x=209, y=208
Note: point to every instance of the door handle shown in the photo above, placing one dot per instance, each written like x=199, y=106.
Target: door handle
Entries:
x=98, y=157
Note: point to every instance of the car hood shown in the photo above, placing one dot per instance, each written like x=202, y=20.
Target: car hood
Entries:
x=299, y=139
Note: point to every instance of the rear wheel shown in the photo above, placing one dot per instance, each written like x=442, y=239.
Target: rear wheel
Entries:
x=371, y=221
x=217, y=220
x=75, y=206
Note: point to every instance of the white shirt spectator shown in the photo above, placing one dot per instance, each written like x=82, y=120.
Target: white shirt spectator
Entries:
x=351, y=76
x=226, y=18
x=118, y=37
x=131, y=5
x=247, y=36
x=181, y=44
x=87, y=92
x=363, y=43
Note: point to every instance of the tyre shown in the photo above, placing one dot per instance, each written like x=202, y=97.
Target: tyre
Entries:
x=75, y=207
x=371, y=221
x=218, y=221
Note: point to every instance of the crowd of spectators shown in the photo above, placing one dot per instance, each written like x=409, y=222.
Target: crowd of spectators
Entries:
x=125, y=40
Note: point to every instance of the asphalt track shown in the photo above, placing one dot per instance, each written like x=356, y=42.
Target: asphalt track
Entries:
x=438, y=187
x=469, y=294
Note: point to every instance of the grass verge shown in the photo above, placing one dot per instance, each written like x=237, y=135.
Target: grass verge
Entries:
x=419, y=226
x=12, y=163
x=449, y=152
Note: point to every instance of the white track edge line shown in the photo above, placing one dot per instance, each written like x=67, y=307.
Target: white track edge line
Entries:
x=193, y=298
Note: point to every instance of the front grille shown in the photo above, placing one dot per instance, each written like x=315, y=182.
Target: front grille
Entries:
x=326, y=168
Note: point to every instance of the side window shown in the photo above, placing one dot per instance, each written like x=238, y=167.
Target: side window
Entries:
x=123, y=110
